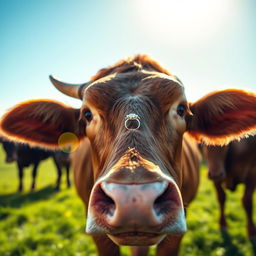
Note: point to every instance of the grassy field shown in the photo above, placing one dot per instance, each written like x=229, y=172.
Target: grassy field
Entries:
x=48, y=223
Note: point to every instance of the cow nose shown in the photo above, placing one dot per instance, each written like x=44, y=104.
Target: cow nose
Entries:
x=217, y=175
x=135, y=206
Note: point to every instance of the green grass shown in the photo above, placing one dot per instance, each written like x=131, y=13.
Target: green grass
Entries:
x=48, y=223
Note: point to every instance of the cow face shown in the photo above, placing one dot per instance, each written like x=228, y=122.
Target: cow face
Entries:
x=215, y=157
x=10, y=150
x=137, y=160
x=134, y=114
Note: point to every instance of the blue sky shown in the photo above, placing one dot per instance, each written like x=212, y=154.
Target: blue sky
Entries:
x=208, y=44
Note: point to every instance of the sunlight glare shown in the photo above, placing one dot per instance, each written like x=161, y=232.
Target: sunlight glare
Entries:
x=182, y=20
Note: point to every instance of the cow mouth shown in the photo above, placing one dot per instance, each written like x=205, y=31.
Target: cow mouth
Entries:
x=10, y=159
x=136, y=233
x=136, y=238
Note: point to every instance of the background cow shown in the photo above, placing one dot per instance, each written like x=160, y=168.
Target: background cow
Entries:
x=229, y=166
x=134, y=170
x=25, y=156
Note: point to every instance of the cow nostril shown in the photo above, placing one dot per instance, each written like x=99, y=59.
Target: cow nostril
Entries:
x=102, y=203
x=165, y=201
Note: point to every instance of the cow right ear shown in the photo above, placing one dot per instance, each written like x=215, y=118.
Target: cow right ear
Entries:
x=41, y=123
x=223, y=116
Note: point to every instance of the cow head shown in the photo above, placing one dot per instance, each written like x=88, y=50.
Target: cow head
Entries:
x=216, y=158
x=134, y=114
x=10, y=151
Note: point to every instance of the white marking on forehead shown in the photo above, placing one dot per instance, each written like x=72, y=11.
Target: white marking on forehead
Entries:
x=153, y=74
x=102, y=80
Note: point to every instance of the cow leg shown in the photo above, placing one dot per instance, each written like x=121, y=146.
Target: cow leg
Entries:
x=67, y=174
x=59, y=173
x=221, y=199
x=248, y=206
x=105, y=246
x=34, y=174
x=139, y=250
x=20, y=173
x=169, y=246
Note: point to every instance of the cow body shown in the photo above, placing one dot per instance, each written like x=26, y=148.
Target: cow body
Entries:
x=135, y=170
x=25, y=156
x=229, y=166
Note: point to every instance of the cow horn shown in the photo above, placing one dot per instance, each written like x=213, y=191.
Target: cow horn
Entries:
x=73, y=90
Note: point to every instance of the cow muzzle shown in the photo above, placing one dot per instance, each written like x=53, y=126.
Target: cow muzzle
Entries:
x=217, y=175
x=11, y=159
x=136, y=214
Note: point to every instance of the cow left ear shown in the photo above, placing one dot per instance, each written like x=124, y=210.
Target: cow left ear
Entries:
x=41, y=123
x=223, y=116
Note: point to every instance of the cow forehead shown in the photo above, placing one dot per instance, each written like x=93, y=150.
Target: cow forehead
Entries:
x=133, y=84
x=142, y=74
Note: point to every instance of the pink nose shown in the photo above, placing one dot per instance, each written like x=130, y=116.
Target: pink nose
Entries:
x=141, y=207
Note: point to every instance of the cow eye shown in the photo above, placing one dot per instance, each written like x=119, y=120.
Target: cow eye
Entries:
x=88, y=115
x=181, y=109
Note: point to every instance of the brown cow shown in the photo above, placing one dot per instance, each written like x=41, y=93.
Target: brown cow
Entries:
x=133, y=170
x=231, y=165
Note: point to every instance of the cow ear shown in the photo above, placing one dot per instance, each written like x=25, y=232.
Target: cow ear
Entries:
x=41, y=123
x=223, y=116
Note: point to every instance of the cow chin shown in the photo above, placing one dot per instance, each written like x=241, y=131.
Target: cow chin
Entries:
x=136, y=239
x=147, y=238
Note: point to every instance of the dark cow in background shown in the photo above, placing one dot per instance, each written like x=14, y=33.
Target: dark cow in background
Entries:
x=134, y=169
x=25, y=156
x=229, y=166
